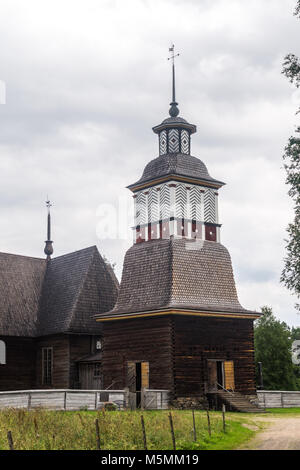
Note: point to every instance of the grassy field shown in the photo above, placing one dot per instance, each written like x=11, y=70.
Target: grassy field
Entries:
x=283, y=410
x=120, y=430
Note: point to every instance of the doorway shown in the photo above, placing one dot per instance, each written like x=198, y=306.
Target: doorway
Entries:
x=220, y=375
x=90, y=375
x=137, y=380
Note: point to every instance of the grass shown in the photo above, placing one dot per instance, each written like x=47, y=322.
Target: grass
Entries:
x=294, y=410
x=120, y=430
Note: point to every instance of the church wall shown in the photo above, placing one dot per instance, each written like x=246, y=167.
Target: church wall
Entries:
x=198, y=339
x=19, y=371
x=80, y=346
x=145, y=339
x=61, y=361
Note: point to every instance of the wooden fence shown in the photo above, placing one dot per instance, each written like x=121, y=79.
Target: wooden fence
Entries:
x=79, y=399
x=278, y=399
x=155, y=399
x=62, y=399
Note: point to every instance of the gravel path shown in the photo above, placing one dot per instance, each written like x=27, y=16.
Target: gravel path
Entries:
x=281, y=433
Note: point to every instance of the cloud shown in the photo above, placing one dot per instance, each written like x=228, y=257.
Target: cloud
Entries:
x=87, y=80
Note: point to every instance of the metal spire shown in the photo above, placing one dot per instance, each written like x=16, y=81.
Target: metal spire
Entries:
x=49, y=243
x=173, y=111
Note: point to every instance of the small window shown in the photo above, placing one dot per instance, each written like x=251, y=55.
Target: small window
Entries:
x=98, y=344
x=97, y=370
x=47, y=363
x=2, y=353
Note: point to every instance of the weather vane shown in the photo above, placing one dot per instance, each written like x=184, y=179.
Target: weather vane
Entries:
x=172, y=49
x=174, y=111
x=49, y=243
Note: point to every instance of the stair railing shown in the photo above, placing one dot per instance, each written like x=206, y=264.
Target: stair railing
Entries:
x=225, y=389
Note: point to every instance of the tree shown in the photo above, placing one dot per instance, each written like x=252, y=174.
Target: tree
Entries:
x=273, y=348
x=290, y=276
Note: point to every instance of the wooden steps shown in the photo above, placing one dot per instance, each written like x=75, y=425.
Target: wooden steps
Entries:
x=237, y=402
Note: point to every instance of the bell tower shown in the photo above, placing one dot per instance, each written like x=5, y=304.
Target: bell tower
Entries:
x=175, y=196
x=178, y=314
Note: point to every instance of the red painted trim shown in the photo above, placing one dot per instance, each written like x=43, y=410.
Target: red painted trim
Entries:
x=210, y=233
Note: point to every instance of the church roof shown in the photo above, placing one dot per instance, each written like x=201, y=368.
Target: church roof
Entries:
x=177, y=274
x=59, y=296
x=176, y=164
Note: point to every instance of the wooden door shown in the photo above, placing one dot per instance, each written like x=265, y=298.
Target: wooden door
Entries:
x=90, y=376
x=212, y=375
x=229, y=375
x=145, y=374
x=131, y=376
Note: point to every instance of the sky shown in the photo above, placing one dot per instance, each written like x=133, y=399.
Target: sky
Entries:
x=86, y=80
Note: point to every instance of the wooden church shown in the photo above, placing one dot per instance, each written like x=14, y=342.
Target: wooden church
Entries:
x=177, y=323
x=48, y=338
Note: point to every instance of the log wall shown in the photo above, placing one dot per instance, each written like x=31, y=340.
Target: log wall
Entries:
x=177, y=349
x=19, y=371
x=148, y=340
x=197, y=339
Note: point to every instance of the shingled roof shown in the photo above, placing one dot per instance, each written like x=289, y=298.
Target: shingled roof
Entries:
x=21, y=280
x=40, y=298
x=176, y=164
x=177, y=274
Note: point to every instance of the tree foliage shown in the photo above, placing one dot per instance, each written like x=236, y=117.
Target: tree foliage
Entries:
x=273, y=348
x=290, y=276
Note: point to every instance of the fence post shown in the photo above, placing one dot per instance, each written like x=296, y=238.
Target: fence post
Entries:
x=65, y=400
x=10, y=441
x=172, y=430
x=223, y=413
x=96, y=400
x=144, y=432
x=208, y=423
x=194, y=426
x=98, y=434
x=29, y=401
x=126, y=397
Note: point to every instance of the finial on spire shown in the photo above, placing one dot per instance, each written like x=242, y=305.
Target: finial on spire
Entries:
x=173, y=111
x=49, y=243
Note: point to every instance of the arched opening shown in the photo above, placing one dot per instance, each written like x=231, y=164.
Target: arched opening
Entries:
x=2, y=352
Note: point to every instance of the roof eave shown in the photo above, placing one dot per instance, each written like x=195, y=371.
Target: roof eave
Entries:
x=110, y=316
x=177, y=177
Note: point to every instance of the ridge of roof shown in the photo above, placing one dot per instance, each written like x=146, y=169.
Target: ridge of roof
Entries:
x=21, y=256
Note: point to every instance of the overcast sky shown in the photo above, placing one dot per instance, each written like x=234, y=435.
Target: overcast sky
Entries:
x=86, y=80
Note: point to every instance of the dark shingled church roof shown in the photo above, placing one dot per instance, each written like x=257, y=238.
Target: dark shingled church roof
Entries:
x=61, y=296
x=177, y=164
x=177, y=273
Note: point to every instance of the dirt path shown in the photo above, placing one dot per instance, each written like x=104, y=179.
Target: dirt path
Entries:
x=281, y=433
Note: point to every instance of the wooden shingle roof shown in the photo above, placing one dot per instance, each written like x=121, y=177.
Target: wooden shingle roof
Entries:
x=39, y=298
x=176, y=164
x=177, y=274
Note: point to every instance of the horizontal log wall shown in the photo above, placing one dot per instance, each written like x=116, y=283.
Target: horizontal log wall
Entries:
x=198, y=339
x=19, y=371
x=278, y=399
x=61, y=361
x=147, y=339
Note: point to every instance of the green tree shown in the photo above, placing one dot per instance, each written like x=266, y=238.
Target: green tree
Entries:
x=290, y=276
x=273, y=345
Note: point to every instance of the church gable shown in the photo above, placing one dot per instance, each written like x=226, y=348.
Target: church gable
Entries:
x=76, y=285
x=98, y=294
